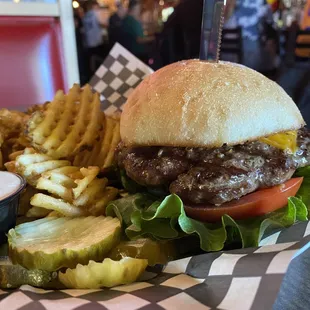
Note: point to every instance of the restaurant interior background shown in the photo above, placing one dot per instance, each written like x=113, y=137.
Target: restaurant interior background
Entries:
x=39, y=52
x=279, y=45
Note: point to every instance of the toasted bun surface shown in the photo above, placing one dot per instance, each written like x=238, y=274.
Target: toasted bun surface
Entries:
x=200, y=104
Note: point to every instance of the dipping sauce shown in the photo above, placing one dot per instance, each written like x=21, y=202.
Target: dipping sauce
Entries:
x=9, y=184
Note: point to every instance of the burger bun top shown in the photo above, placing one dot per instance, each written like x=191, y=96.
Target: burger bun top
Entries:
x=202, y=104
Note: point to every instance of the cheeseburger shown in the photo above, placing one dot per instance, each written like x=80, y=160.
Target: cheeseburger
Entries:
x=221, y=136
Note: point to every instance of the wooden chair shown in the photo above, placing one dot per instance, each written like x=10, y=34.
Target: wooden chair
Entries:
x=294, y=74
x=302, y=46
x=293, y=43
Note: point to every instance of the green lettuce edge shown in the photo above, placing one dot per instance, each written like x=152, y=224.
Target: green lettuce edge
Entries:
x=144, y=216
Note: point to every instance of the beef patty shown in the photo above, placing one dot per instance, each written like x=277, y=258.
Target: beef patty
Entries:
x=214, y=176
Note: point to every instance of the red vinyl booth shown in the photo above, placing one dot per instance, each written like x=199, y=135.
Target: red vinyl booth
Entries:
x=31, y=60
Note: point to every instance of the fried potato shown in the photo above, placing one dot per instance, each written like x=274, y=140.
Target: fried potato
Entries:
x=12, y=126
x=98, y=206
x=95, y=189
x=67, y=183
x=33, y=171
x=11, y=166
x=116, y=138
x=59, y=205
x=96, y=197
x=55, y=189
x=18, y=143
x=37, y=212
x=11, y=123
x=14, y=155
x=37, y=107
x=103, y=152
x=31, y=166
x=88, y=176
x=62, y=176
x=77, y=188
x=55, y=214
x=68, y=124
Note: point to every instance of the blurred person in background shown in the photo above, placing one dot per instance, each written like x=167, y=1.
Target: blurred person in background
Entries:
x=81, y=52
x=150, y=16
x=115, y=28
x=134, y=39
x=93, y=38
x=259, y=38
x=181, y=33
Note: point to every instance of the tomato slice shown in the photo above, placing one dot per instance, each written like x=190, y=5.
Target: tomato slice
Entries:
x=255, y=204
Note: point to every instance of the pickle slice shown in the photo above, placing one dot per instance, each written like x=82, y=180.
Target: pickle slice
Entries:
x=13, y=276
x=109, y=273
x=154, y=251
x=52, y=243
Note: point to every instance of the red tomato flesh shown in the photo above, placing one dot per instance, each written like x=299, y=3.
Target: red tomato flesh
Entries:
x=255, y=204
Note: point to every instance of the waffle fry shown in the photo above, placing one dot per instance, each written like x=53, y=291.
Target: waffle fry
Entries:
x=10, y=166
x=37, y=107
x=67, y=183
x=67, y=125
x=54, y=214
x=88, y=176
x=102, y=155
x=14, y=155
x=37, y=212
x=98, y=206
x=40, y=143
x=55, y=204
x=92, y=192
x=18, y=143
x=74, y=188
x=55, y=189
x=31, y=166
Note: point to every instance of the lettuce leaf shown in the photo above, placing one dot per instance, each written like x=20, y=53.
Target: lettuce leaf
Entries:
x=144, y=216
x=304, y=191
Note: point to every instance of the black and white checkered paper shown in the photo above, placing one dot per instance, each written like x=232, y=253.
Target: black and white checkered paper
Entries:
x=117, y=77
x=275, y=275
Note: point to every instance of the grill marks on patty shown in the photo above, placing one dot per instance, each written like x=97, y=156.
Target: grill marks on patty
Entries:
x=214, y=176
x=153, y=166
x=240, y=171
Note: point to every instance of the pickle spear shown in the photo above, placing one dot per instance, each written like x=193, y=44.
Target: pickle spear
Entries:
x=52, y=243
x=156, y=252
x=109, y=273
x=13, y=276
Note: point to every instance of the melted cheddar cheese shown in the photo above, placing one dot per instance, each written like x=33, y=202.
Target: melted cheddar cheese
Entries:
x=284, y=141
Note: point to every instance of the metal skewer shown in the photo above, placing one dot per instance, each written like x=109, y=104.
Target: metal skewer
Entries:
x=211, y=30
